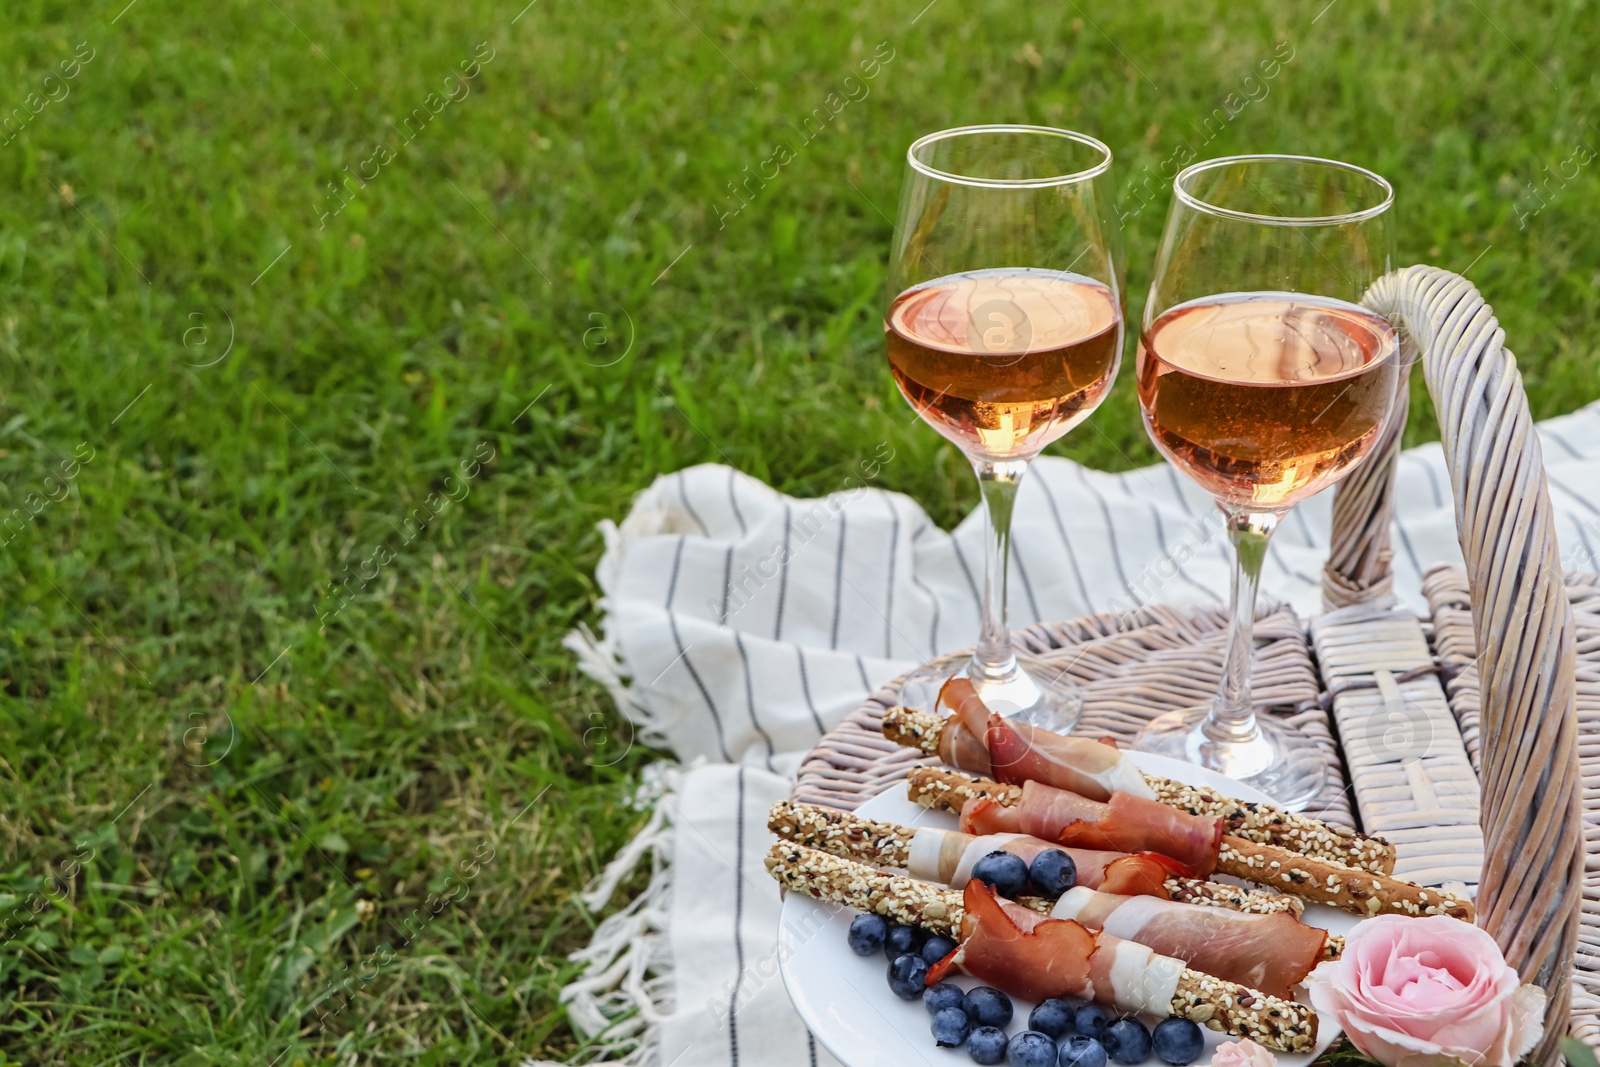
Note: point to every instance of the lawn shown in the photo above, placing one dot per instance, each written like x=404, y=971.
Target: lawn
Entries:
x=330, y=332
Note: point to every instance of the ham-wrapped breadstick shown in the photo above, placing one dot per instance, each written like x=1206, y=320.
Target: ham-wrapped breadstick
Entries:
x=1042, y=811
x=947, y=856
x=1124, y=824
x=1272, y=953
x=1035, y=956
x=973, y=740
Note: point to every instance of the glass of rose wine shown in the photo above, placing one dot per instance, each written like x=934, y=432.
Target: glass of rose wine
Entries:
x=1262, y=378
x=1003, y=328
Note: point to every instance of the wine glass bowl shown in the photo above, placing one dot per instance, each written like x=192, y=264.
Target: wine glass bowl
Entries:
x=1004, y=361
x=1262, y=378
x=1003, y=331
x=1265, y=399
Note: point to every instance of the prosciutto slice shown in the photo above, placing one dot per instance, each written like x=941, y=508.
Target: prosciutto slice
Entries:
x=1124, y=824
x=1142, y=874
x=976, y=740
x=1096, y=769
x=948, y=856
x=1030, y=956
x=1035, y=957
x=963, y=743
x=1272, y=953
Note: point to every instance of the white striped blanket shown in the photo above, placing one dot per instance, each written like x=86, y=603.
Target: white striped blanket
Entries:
x=740, y=624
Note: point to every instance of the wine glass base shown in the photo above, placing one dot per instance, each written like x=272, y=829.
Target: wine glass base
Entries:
x=1035, y=693
x=1282, y=763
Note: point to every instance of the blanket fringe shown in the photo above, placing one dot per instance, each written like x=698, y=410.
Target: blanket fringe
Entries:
x=625, y=989
x=602, y=657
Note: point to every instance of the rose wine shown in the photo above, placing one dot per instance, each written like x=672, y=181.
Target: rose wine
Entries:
x=1004, y=361
x=1266, y=398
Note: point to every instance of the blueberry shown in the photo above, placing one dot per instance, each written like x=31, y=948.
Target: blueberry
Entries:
x=950, y=1027
x=907, y=976
x=901, y=940
x=1091, y=1020
x=1053, y=873
x=867, y=933
x=1083, y=1051
x=1031, y=1049
x=987, y=1006
x=987, y=1044
x=1178, y=1041
x=937, y=948
x=936, y=998
x=1007, y=873
x=1053, y=1017
x=1127, y=1041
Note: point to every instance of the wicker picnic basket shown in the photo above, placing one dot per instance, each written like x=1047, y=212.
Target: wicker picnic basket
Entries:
x=1459, y=737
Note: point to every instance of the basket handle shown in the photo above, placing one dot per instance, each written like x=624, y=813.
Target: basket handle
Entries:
x=1359, y=567
x=1531, y=891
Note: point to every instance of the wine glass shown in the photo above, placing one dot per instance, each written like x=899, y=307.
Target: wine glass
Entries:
x=1004, y=330
x=1263, y=379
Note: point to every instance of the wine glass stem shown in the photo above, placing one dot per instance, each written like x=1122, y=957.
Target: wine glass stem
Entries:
x=998, y=482
x=1233, y=716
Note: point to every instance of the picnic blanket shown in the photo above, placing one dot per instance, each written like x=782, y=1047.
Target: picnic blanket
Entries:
x=741, y=624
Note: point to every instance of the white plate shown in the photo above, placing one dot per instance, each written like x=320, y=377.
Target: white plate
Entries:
x=845, y=998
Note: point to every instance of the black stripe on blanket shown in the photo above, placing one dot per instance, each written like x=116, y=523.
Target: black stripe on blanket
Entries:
x=1411, y=553
x=705, y=694
x=933, y=629
x=783, y=576
x=683, y=494
x=1545, y=431
x=1072, y=557
x=672, y=582
x=1580, y=527
x=805, y=687
x=727, y=585
x=838, y=584
x=1433, y=479
x=1306, y=535
x=1183, y=501
x=888, y=609
x=750, y=698
x=1111, y=536
x=1166, y=549
x=738, y=918
x=1027, y=586
x=733, y=499
x=977, y=598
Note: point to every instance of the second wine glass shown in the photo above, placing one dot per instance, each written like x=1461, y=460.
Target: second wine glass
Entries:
x=1004, y=331
x=1262, y=378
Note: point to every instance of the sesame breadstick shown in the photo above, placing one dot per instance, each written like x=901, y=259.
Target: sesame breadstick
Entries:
x=1264, y=824
x=942, y=790
x=889, y=845
x=1233, y=897
x=1222, y=1006
x=1315, y=880
x=1267, y=824
x=1325, y=882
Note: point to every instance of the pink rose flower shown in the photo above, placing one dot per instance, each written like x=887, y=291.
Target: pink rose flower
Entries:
x=1245, y=1053
x=1429, y=991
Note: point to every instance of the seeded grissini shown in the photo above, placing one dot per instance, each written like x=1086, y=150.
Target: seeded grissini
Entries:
x=1264, y=824
x=890, y=845
x=1315, y=880
x=1225, y=1007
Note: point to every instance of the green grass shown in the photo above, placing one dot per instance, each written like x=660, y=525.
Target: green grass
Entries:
x=201, y=782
